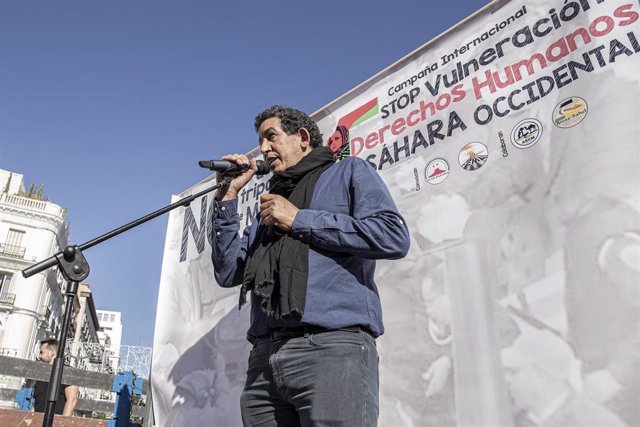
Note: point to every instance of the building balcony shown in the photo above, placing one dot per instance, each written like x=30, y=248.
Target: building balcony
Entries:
x=7, y=298
x=24, y=202
x=32, y=204
x=12, y=251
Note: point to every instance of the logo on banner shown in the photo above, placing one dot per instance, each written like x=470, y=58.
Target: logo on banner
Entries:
x=526, y=133
x=339, y=143
x=570, y=112
x=437, y=171
x=473, y=156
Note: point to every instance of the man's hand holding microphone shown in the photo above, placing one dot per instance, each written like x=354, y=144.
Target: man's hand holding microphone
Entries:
x=275, y=210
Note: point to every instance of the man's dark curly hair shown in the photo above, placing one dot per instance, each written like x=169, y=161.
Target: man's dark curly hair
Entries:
x=291, y=120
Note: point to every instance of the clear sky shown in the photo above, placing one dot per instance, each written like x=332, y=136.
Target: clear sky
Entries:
x=110, y=104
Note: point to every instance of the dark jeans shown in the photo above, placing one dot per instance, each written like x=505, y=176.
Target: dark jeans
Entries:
x=328, y=378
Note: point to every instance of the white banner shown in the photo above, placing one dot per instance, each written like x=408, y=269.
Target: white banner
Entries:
x=510, y=146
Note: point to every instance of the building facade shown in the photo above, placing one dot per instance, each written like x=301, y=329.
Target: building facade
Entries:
x=110, y=335
x=31, y=229
x=84, y=350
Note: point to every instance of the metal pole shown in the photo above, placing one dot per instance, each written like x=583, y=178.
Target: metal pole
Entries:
x=58, y=363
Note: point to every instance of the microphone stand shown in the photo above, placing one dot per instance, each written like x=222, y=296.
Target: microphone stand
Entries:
x=75, y=268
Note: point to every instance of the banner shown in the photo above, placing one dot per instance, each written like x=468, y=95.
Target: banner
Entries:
x=510, y=146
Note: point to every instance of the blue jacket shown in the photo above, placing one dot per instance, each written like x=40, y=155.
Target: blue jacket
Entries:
x=351, y=222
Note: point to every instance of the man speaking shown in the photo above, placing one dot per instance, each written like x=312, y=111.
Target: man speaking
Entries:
x=308, y=260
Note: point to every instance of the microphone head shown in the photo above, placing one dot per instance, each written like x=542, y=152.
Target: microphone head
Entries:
x=225, y=166
x=263, y=167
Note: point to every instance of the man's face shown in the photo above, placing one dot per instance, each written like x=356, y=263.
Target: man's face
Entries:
x=46, y=354
x=280, y=150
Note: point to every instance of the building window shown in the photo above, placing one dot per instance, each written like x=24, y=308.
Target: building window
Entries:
x=112, y=318
x=14, y=237
x=5, y=281
x=5, y=286
x=13, y=244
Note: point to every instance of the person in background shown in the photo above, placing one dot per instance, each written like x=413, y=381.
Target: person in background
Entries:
x=68, y=394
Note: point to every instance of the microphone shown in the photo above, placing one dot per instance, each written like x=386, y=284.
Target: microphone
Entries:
x=226, y=167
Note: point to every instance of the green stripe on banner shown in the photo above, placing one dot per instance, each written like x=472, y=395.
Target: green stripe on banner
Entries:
x=366, y=116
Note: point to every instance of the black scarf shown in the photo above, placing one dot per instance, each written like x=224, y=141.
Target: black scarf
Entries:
x=277, y=265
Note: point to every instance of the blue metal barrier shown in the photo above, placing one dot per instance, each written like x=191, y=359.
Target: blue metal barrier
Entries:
x=125, y=385
x=25, y=399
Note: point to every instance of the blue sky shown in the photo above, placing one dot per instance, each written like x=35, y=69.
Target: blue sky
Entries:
x=110, y=104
